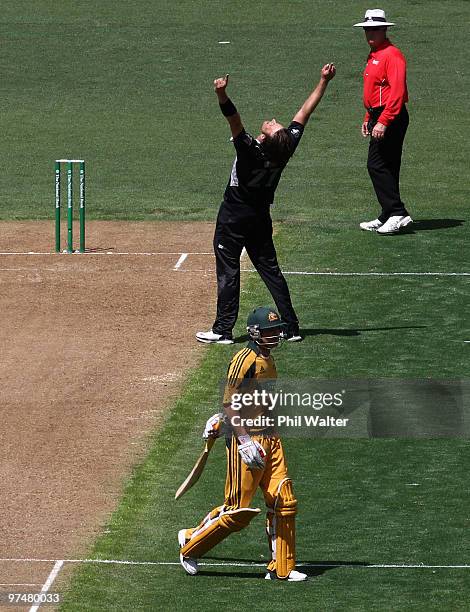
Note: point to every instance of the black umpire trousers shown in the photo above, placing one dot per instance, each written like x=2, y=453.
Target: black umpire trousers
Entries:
x=238, y=226
x=384, y=161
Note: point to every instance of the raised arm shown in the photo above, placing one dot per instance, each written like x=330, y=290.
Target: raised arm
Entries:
x=227, y=107
x=303, y=115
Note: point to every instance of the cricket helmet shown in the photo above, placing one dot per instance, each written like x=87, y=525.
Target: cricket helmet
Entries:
x=264, y=318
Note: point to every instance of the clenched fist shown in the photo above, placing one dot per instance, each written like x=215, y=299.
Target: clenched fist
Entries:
x=220, y=84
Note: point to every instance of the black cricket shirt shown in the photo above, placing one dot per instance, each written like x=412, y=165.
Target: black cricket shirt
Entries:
x=254, y=178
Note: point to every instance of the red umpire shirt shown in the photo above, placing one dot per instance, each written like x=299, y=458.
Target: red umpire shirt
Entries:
x=385, y=82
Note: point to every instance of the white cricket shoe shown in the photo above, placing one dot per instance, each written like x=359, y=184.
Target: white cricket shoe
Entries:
x=189, y=565
x=371, y=226
x=294, y=576
x=209, y=337
x=394, y=224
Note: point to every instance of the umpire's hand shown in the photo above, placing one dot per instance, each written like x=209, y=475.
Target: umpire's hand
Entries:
x=328, y=72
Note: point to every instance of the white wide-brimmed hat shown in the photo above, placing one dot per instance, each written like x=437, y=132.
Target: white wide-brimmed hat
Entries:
x=374, y=18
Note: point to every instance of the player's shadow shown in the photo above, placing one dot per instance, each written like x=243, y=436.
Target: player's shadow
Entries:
x=318, y=568
x=353, y=332
x=327, y=331
x=421, y=225
x=311, y=568
x=203, y=572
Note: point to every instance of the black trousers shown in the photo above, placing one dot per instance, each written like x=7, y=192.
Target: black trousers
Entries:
x=241, y=226
x=384, y=161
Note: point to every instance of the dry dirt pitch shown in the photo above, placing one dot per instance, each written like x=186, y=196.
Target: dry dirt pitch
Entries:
x=92, y=347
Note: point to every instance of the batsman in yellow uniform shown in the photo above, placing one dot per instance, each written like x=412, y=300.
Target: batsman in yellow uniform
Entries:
x=255, y=458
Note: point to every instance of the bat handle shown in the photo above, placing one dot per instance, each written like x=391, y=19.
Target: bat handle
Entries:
x=210, y=443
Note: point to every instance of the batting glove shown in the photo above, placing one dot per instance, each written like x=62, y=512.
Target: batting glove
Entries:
x=213, y=427
x=252, y=454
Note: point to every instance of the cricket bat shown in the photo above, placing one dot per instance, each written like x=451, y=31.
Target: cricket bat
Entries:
x=197, y=470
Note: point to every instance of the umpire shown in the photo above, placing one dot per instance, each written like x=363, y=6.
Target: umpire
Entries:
x=386, y=121
x=244, y=218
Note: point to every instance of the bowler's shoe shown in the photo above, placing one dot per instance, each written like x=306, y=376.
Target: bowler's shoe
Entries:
x=209, y=337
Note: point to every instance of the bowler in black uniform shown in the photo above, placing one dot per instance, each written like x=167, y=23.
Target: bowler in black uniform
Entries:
x=244, y=218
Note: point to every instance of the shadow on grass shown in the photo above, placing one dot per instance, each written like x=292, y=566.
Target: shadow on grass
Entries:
x=311, y=568
x=326, y=331
x=422, y=225
x=354, y=332
x=317, y=568
x=235, y=574
x=434, y=224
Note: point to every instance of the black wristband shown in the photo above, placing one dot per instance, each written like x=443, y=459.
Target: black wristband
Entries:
x=228, y=108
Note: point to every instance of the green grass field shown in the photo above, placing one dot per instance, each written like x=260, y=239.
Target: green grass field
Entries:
x=128, y=87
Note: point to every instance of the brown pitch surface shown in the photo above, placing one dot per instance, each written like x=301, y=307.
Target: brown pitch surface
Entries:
x=92, y=348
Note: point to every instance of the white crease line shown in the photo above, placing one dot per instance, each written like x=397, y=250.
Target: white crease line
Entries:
x=183, y=257
x=393, y=566
x=104, y=253
x=49, y=582
x=378, y=274
x=180, y=261
x=372, y=273
x=229, y=564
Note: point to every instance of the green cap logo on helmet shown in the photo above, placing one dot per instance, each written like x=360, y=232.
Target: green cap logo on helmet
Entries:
x=262, y=318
